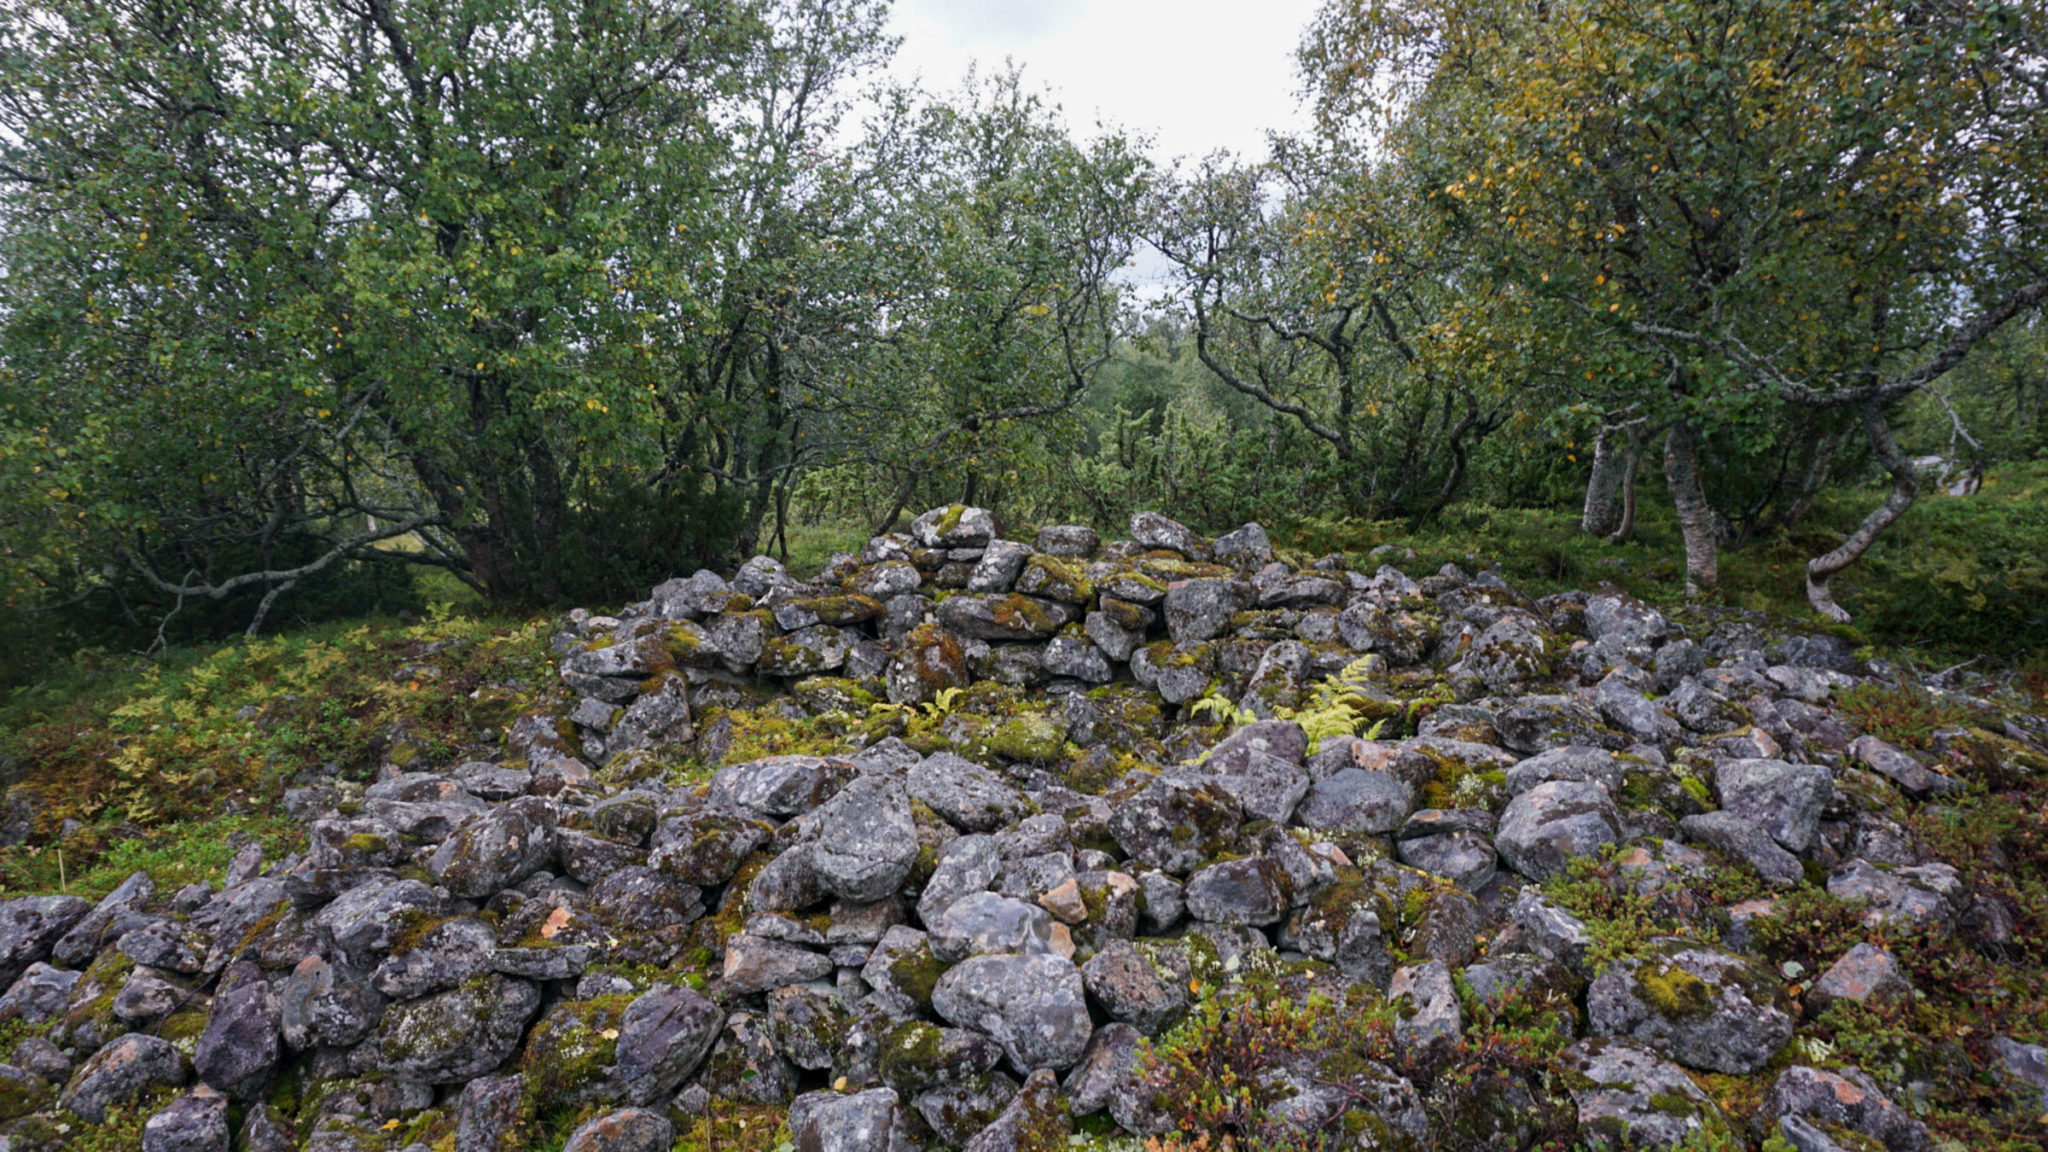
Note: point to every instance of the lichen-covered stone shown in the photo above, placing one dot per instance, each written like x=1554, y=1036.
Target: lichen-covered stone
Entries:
x=121, y=1071
x=1843, y=1098
x=1176, y=825
x=497, y=850
x=194, y=1123
x=1699, y=1006
x=453, y=1036
x=866, y=841
x=1785, y=800
x=970, y=797
x=1145, y=988
x=985, y=923
x=624, y=1130
x=869, y=1121
x=1035, y=1006
x=1631, y=1099
x=1544, y=829
x=31, y=926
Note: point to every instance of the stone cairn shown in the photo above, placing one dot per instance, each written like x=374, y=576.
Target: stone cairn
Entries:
x=935, y=949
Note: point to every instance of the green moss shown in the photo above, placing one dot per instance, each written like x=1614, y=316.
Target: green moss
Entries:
x=572, y=1047
x=183, y=1026
x=1023, y=616
x=1035, y=738
x=1673, y=992
x=20, y=1097
x=910, y=1055
x=916, y=973
x=366, y=843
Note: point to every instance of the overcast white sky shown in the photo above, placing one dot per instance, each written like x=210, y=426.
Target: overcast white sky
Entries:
x=1195, y=75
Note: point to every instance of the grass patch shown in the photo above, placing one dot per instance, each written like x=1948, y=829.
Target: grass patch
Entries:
x=156, y=764
x=1958, y=576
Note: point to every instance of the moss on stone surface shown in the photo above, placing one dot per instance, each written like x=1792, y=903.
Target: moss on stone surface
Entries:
x=1673, y=992
x=916, y=973
x=573, y=1047
x=1036, y=738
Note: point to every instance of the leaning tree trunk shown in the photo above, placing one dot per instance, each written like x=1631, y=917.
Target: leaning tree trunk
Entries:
x=1603, y=487
x=1905, y=489
x=1632, y=460
x=1695, y=515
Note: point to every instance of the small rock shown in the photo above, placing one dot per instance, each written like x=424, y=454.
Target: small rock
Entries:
x=1783, y=799
x=1551, y=824
x=121, y=1071
x=194, y=1123
x=1426, y=1006
x=1844, y=1098
x=626, y=1130
x=1635, y=1100
x=1866, y=974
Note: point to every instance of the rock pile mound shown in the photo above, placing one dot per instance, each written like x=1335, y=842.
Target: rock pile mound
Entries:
x=1062, y=793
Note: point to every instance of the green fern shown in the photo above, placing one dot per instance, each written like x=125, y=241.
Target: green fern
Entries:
x=1335, y=707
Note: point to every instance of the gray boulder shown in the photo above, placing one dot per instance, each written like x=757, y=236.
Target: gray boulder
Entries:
x=116, y=912
x=453, y=1036
x=1901, y=768
x=1035, y=1006
x=1251, y=890
x=326, y=1005
x=1865, y=974
x=121, y=1071
x=1034, y=1119
x=867, y=840
x=1176, y=825
x=1551, y=824
x=1145, y=988
x=1427, y=1011
x=31, y=926
x=967, y=864
x=756, y=964
x=496, y=851
x=970, y=797
x=984, y=923
x=487, y=1114
x=1785, y=800
x=1200, y=609
x=956, y=526
x=41, y=993
x=1633, y=1099
x=1513, y=651
x=1920, y=894
x=442, y=956
x=869, y=1121
x=1456, y=844
x=1068, y=540
x=1843, y=1098
x=625, y=1130
x=1697, y=1005
x=1151, y=530
x=1011, y=617
x=664, y=1035
x=997, y=570
x=1739, y=838
x=1356, y=800
x=240, y=1047
x=1571, y=762
x=194, y=1123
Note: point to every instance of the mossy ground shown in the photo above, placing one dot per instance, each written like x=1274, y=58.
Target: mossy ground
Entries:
x=168, y=766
